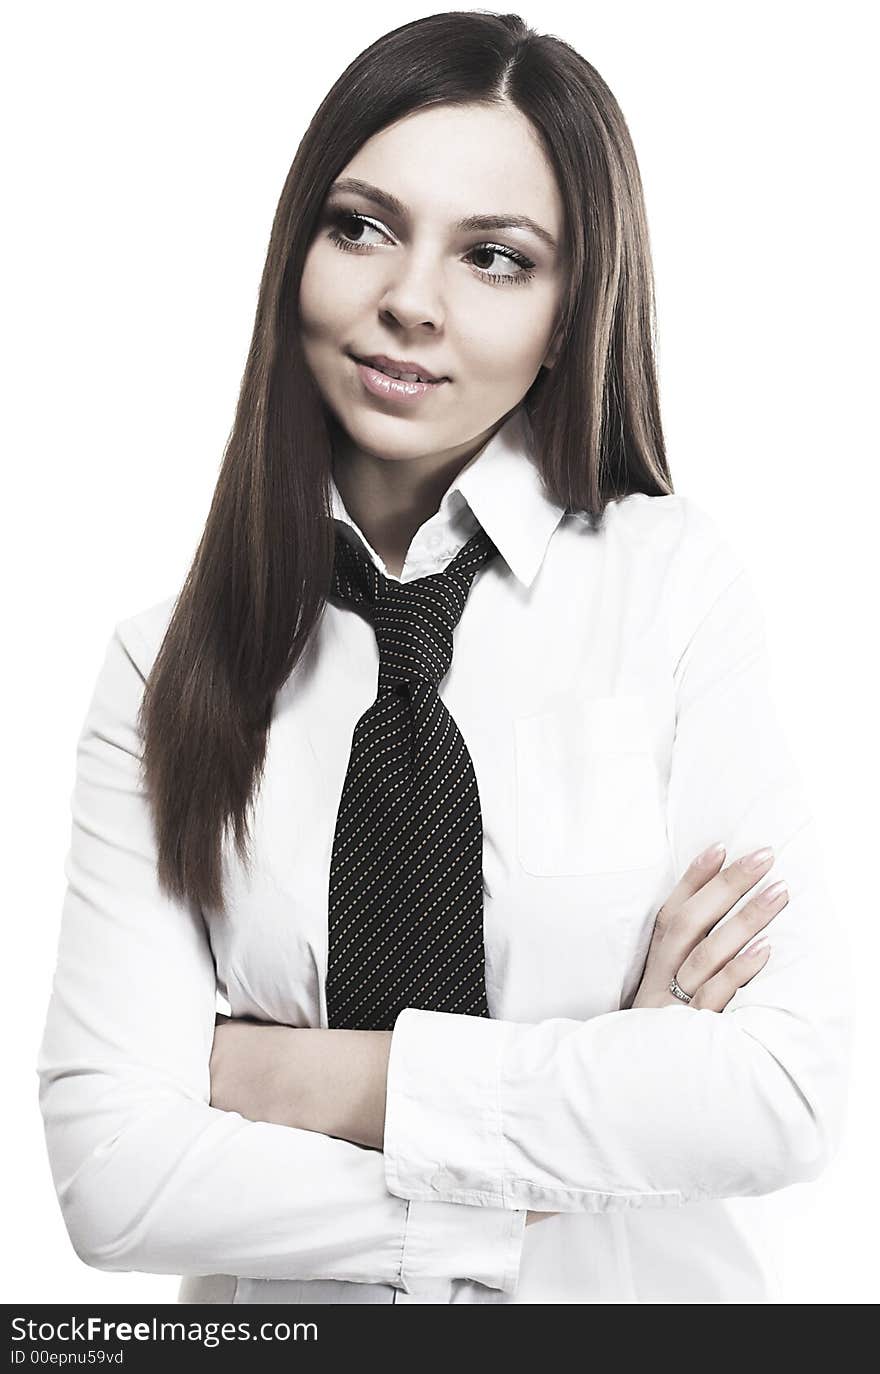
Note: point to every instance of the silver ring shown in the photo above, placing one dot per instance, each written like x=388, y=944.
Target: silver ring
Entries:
x=678, y=991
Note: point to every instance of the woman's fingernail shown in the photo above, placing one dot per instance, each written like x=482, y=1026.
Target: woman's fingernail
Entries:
x=774, y=893
x=757, y=859
x=711, y=854
x=758, y=947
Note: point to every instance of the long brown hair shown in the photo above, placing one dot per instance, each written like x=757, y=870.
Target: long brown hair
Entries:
x=262, y=571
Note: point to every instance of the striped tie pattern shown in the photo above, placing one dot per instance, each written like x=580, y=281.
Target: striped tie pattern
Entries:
x=405, y=910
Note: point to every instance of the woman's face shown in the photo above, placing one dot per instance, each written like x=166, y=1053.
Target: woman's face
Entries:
x=475, y=305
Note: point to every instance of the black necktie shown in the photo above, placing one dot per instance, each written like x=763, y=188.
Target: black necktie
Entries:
x=405, y=913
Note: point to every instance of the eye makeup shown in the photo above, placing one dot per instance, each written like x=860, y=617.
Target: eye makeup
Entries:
x=342, y=221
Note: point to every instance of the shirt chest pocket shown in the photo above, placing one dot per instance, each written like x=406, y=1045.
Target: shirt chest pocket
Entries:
x=588, y=791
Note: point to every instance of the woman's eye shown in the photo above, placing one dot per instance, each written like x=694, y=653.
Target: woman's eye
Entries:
x=520, y=267
x=349, y=230
x=347, y=226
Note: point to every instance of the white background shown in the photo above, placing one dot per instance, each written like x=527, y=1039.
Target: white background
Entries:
x=146, y=147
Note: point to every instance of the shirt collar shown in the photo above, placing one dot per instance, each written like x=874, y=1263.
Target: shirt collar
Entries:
x=504, y=490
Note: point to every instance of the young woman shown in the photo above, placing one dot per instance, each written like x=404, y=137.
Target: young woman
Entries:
x=453, y=766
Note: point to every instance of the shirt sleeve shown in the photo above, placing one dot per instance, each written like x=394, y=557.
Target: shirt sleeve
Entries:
x=150, y=1176
x=660, y=1106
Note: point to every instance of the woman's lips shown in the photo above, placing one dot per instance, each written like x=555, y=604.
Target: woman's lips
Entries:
x=388, y=388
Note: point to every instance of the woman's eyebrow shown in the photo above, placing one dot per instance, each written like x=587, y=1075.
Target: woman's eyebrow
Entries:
x=471, y=222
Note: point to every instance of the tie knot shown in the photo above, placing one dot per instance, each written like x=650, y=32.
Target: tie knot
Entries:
x=414, y=621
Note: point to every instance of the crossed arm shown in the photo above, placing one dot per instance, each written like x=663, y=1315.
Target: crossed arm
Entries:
x=331, y=1081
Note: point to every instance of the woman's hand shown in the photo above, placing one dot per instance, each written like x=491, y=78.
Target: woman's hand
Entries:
x=709, y=963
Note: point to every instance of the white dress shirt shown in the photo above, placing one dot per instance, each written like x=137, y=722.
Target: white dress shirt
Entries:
x=612, y=684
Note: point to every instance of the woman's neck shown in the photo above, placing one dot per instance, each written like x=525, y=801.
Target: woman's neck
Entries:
x=390, y=499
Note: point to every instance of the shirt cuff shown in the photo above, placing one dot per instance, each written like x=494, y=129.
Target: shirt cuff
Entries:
x=443, y=1129
x=444, y=1239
